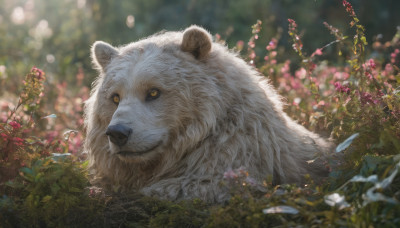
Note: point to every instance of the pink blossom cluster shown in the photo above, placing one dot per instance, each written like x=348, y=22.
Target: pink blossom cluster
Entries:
x=349, y=8
x=369, y=67
x=394, y=55
x=23, y=138
x=342, y=88
x=272, y=44
x=15, y=125
x=38, y=73
x=368, y=98
x=11, y=136
x=292, y=25
x=240, y=175
x=297, y=44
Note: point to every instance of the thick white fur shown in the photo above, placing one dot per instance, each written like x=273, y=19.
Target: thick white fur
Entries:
x=214, y=113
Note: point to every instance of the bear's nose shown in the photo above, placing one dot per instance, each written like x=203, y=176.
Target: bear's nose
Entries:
x=118, y=134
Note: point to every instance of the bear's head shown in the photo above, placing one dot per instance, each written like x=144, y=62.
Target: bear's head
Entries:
x=153, y=97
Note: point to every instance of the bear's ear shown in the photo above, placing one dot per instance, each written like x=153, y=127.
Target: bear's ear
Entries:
x=102, y=53
x=196, y=41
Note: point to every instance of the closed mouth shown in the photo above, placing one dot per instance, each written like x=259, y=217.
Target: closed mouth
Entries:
x=127, y=153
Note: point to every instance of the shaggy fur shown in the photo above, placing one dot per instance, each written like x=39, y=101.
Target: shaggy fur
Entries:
x=214, y=113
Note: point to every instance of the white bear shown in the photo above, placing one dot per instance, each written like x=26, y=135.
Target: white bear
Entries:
x=170, y=114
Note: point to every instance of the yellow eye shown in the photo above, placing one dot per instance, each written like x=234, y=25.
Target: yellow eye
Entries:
x=115, y=98
x=152, y=94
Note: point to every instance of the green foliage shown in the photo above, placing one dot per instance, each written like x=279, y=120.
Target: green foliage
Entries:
x=185, y=214
x=40, y=190
x=247, y=208
x=17, y=147
x=135, y=210
x=375, y=201
x=55, y=194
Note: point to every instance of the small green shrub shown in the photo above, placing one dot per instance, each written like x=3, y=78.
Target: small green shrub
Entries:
x=41, y=184
x=55, y=194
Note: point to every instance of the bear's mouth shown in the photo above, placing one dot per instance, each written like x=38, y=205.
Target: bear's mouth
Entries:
x=129, y=153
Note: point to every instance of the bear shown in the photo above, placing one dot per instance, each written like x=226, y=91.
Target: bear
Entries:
x=168, y=115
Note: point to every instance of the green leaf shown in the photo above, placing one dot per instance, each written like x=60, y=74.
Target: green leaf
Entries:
x=46, y=199
x=55, y=188
x=26, y=170
x=73, y=189
x=337, y=200
x=38, y=177
x=364, y=40
x=370, y=164
x=281, y=210
x=50, y=116
x=342, y=146
x=85, y=164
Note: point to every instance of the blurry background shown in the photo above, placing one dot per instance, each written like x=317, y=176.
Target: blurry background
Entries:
x=56, y=35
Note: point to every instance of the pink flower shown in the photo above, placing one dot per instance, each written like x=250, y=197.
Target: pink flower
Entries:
x=341, y=88
x=251, y=44
x=312, y=66
x=252, y=55
x=337, y=85
x=230, y=174
x=37, y=72
x=240, y=44
x=92, y=192
x=251, y=181
x=317, y=52
x=367, y=98
x=349, y=8
x=380, y=94
x=341, y=75
x=15, y=125
x=394, y=55
x=388, y=69
x=369, y=75
x=292, y=23
x=301, y=73
x=272, y=44
x=372, y=64
x=18, y=141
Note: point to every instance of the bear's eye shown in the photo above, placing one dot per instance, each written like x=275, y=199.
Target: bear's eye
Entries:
x=115, y=98
x=153, y=94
